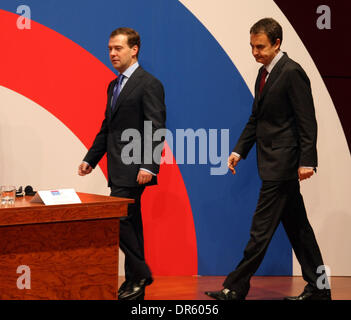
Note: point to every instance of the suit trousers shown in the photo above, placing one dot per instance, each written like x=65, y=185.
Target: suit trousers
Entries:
x=131, y=234
x=279, y=201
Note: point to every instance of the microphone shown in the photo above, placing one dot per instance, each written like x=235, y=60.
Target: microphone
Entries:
x=28, y=190
x=19, y=192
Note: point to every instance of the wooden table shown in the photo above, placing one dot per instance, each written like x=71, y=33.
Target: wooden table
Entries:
x=71, y=250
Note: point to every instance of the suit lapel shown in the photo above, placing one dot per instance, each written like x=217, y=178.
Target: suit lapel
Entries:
x=272, y=76
x=132, y=82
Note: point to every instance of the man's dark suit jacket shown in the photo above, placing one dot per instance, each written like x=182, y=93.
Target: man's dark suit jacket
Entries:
x=141, y=99
x=282, y=123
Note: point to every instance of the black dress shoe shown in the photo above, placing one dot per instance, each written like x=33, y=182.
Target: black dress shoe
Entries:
x=124, y=286
x=135, y=290
x=314, y=295
x=225, y=294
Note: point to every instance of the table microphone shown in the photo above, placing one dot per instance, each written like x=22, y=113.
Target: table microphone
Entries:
x=19, y=192
x=29, y=191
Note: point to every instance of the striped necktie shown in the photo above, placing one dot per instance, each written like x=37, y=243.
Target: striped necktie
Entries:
x=117, y=91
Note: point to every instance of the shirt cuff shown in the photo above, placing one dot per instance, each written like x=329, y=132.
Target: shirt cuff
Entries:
x=148, y=171
x=236, y=154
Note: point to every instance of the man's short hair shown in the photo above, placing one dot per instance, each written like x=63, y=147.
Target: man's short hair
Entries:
x=270, y=27
x=133, y=36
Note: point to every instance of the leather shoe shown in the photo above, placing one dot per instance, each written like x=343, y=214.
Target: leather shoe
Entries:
x=135, y=290
x=314, y=295
x=124, y=286
x=224, y=294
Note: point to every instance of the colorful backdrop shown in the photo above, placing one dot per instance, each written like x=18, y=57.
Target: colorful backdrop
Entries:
x=53, y=83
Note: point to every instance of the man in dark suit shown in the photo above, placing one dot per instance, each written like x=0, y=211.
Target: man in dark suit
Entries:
x=284, y=128
x=135, y=102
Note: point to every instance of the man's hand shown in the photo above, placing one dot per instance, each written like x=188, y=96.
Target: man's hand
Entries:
x=305, y=173
x=144, y=177
x=84, y=169
x=232, y=162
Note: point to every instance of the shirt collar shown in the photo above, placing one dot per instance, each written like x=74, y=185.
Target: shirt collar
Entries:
x=275, y=60
x=128, y=73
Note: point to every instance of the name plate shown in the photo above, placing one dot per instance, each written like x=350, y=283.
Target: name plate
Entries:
x=55, y=197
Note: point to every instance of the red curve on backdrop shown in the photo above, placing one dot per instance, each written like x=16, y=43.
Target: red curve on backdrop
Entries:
x=71, y=84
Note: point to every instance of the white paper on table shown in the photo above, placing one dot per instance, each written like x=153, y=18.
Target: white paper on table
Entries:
x=55, y=197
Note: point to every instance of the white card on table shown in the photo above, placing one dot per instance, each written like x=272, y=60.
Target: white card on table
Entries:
x=54, y=197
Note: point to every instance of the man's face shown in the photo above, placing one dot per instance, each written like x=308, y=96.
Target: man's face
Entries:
x=121, y=56
x=262, y=49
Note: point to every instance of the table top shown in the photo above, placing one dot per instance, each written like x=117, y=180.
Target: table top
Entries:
x=92, y=207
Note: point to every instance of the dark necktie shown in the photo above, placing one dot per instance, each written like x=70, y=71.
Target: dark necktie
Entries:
x=117, y=91
x=263, y=79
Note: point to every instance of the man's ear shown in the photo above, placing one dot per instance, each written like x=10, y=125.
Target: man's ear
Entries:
x=277, y=44
x=135, y=50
